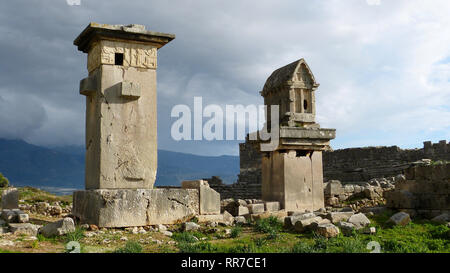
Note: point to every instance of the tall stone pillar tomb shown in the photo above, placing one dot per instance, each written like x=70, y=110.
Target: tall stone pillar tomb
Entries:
x=121, y=121
x=292, y=173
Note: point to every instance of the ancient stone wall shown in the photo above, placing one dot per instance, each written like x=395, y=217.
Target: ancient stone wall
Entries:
x=347, y=165
x=425, y=191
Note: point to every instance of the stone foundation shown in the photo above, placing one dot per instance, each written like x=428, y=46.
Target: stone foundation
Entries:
x=135, y=207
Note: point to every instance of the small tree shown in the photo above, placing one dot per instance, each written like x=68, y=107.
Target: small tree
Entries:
x=4, y=182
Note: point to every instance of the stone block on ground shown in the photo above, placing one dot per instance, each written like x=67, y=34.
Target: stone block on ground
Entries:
x=333, y=187
x=24, y=228
x=23, y=218
x=191, y=226
x=58, y=228
x=442, y=219
x=359, y=220
x=256, y=208
x=332, y=201
x=209, y=199
x=8, y=216
x=280, y=215
x=228, y=219
x=304, y=224
x=135, y=207
x=272, y=206
x=346, y=228
x=336, y=217
x=327, y=230
x=218, y=218
x=400, y=219
x=289, y=221
x=242, y=210
x=324, y=221
x=240, y=220
x=10, y=198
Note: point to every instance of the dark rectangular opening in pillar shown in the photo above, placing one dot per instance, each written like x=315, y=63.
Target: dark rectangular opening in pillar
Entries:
x=118, y=58
x=300, y=153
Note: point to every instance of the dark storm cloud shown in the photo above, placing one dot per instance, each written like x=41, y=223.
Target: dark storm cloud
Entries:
x=370, y=60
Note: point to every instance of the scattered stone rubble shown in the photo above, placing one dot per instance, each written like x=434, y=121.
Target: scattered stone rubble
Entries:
x=56, y=209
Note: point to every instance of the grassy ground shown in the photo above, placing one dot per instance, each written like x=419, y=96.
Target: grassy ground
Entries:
x=264, y=236
x=32, y=195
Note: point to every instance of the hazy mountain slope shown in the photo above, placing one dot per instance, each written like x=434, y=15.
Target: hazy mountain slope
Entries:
x=27, y=164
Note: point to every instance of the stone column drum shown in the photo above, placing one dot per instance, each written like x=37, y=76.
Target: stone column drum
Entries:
x=292, y=173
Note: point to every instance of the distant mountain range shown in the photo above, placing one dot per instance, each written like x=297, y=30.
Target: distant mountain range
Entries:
x=60, y=168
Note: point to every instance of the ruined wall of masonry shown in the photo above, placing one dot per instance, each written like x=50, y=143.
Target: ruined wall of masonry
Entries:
x=346, y=165
x=424, y=191
x=362, y=164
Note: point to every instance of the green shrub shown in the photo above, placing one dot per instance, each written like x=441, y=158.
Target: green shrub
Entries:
x=302, y=247
x=76, y=236
x=4, y=182
x=259, y=242
x=130, y=247
x=184, y=237
x=203, y=247
x=268, y=225
x=236, y=231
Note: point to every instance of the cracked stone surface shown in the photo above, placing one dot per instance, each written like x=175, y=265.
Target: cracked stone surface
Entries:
x=139, y=207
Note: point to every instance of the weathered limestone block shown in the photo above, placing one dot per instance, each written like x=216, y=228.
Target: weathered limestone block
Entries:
x=191, y=226
x=280, y=215
x=281, y=176
x=272, y=206
x=359, y=220
x=135, y=207
x=334, y=188
x=327, y=230
x=218, y=218
x=23, y=217
x=400, y=218
x=10, y=198
x=240, y=220
x=332, y=201
x=9, y=216
x=442, y=219
x=289, y=221
x=209, y=199
x=256, y=208
x=58, y=228
x=336, y=217
x=24, y=228
x=304, y=224
x=228, y=218
x=346, y=228
x=241, y=210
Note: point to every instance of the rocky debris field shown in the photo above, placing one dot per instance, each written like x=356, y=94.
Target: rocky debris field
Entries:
x=42, y=223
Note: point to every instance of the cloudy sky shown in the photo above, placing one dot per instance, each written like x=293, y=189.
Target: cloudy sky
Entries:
x=383, y=66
